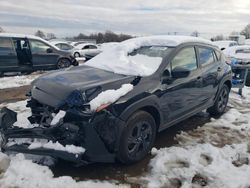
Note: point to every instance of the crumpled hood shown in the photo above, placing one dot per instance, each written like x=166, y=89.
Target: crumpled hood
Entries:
x=54, y=87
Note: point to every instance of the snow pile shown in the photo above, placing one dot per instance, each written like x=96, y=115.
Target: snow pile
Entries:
x=57, y=146
x=22, y=113
x=110, y=96
x=200, y=165
x=116, y=59
x=26, y=174
x=17, y=81
x=58, y=117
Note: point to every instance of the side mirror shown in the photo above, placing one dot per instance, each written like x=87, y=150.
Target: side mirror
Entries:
x=180, y=72
x=166, y=78
x=49, y=50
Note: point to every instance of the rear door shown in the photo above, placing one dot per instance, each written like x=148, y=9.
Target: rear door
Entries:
x=41, y=56
x=8, y=57
x=182, y=95
x=211, y=68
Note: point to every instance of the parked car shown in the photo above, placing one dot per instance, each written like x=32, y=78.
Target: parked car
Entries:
x=114, y=105
x=63, y=45
x=86, y=50
x=224, y=44
x=23, y=53
x=241, y=56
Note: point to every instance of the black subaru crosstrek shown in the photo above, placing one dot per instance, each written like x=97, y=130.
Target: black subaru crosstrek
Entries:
x=114, y=105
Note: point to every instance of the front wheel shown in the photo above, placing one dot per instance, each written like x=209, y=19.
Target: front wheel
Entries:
x=63, y=63
x=220, y=104
x=77, y=54
x=137, y=138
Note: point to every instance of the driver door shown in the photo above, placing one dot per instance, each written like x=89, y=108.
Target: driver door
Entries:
x=182, y=95
x=41, y=56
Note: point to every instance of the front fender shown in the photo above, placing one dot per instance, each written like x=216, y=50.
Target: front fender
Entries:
x=150, y=101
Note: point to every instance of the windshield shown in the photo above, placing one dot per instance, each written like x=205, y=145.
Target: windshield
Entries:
x=143, y=61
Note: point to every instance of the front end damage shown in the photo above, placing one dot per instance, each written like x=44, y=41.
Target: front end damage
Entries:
x=97, y=133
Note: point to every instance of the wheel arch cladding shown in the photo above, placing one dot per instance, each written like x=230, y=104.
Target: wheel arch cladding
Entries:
x=154, y=113
x=228, y=84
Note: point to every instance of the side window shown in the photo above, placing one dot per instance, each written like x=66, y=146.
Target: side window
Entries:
x=85, y=47
x=5, y=46
x=186, y=58
x=92, y=47
x=58, y=45
x=38, y=46
x=66, y=47
x=206, y=56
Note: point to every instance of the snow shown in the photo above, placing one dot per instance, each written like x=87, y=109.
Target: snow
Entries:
x=215, y=166
x=22, y=113
x=116, y=59
x=57, y=146
x=110, y=96
x=58, y=117
x=17, y=81
x=24, y=173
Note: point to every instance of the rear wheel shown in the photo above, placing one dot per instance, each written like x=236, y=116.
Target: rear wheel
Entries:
x=63, y=63
x=1, y=74
x=220, y=104
x=137, y=138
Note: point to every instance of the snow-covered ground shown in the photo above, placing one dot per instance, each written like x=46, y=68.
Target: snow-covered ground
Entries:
x=216, y=155
x=17, y=81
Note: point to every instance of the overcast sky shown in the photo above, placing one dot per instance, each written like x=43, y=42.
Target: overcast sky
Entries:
x=137, y=17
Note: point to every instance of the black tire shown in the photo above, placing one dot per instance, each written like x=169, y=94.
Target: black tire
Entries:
x=220, y=104
x=137, y=138
x=77, y=54
x=1, y=74
x=63, y=63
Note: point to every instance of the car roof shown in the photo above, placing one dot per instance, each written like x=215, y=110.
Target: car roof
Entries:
x=19, y=35
x=165, y=40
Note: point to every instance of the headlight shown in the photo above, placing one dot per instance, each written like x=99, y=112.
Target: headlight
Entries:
x=75, y=99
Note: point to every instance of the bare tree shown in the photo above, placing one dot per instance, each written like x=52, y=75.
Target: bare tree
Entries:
x=218, y=37
x=51, y=36
x=195, y=34
x=246, y=31
x=41, y=34
x=1, y=30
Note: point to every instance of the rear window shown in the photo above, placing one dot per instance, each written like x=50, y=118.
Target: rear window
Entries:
x=5, y=46
x=206, y=56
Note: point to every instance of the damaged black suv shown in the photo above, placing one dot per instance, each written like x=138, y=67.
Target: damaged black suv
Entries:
x=114, y=105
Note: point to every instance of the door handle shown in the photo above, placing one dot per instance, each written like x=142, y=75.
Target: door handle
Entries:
x=199, y=78
x=219, y=69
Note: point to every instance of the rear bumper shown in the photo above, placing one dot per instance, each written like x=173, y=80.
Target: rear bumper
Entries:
x=98, y=137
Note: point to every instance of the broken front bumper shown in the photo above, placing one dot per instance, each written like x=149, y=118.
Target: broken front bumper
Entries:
x=98, y=136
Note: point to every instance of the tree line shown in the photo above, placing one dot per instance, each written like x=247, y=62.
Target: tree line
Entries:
x=107, y=36
x=110, y=36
